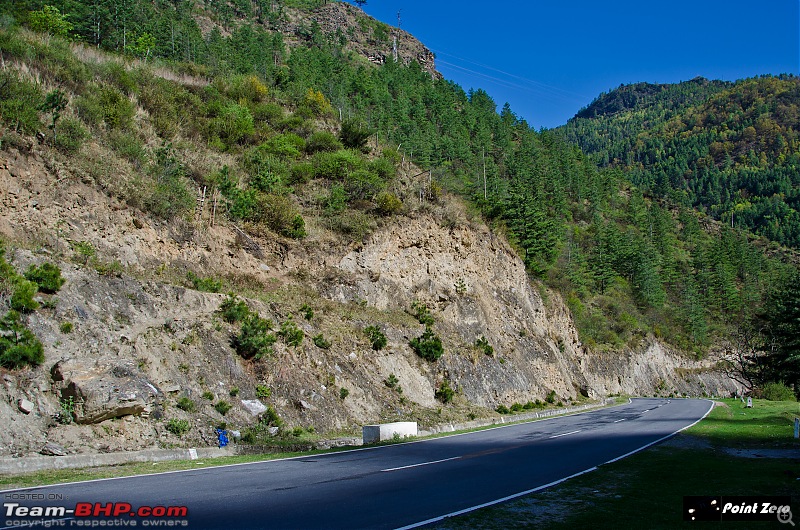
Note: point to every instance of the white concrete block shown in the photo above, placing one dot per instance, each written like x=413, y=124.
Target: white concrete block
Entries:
x=387, y=431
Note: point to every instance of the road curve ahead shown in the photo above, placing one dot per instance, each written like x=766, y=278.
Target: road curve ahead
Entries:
x=384, y=487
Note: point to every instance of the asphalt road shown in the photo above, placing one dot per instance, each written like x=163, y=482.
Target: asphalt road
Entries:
x=384, y=487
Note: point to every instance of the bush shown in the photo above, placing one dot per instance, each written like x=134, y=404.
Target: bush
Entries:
x=343, y=393
x=186, y=404
x=71, y=135
x=376, y=338
x=47, y=277
x=66, y=327
x=391, y=381
x=178, y=427
x=263, y=391
x=483, y=344
x=336, y=166
x=354, y=134
x=233, y=310
x=362, y=185
x=301, y=173
x=428, y=345
x=777, y=392
x=290, y=333
x=285, y=146
x=517, y=407
x=445, y=394
x=223, y=407
x=18, y=345
x=551, y=397
x=422, y=313
x=388, y=203
x=322, y=141
x=208, y=395
x=206, y=285
x=281, y=216
x=254, y=339
x=320, y=342
x=502, y=409
x=22, y=295
x=19, y=101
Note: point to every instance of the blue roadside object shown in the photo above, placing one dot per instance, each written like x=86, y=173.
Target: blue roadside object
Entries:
x=222, y=436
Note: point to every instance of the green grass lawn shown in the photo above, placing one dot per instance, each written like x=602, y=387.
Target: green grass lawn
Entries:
x=646, y=490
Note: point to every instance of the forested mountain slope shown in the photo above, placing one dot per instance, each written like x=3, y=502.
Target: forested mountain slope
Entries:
x=728, y=149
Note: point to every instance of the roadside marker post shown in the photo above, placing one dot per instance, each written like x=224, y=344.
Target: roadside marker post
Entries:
x=797, y=427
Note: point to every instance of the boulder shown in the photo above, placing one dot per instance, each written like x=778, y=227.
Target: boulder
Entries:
x=53, y=449
x=25, y=406
x=254, y=406
x=104, y=391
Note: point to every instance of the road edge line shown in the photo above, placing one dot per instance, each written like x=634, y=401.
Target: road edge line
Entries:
x=496, y=501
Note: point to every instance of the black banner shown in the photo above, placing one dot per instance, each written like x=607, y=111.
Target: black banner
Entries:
x=737, y=508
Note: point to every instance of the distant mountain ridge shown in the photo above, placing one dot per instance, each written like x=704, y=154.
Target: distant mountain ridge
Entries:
x=728, y=149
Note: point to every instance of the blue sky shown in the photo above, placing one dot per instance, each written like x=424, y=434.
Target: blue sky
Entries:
x=550, y=58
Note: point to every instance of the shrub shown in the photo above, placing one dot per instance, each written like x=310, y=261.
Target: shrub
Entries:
x=502, y=409
x=285, y=146
x=301, y=173
x=263, y=391
x=254, y=339
x=234, y=391
x=47, y=277
x=391, y=381
x=178, y=427
x=308, y=312
x=19, y=102
x=186, y=404
x=362, y=184
x=71, y=135
x=428, y=345
x=383, y=167
x=483, y=344
x=222, y=407
x=233, y=310
x=354, y=134
x=517, y=407
x=388, y=203
x=316, y=103
x=551, y=397
x=208, y=395
x=320, y=342
x=207, y=285
x=444, y=393
x=65, y=327
x=777, y=392
x=343, y=393
x=281, y=216
x=422, y=313
x=336, y=166
x=18, y=345
x=270, y=417
x=290, y=333
x=22, y=295
x=322, y=141
x=376, y=338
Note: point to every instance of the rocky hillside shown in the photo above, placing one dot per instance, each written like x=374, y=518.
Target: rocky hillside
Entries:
x=142, y=340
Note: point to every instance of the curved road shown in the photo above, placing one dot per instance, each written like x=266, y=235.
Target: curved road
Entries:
x=383, y=487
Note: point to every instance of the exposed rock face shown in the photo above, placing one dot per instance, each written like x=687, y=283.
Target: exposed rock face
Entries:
x=141, y=343
x=104, y=391
x=373, y=40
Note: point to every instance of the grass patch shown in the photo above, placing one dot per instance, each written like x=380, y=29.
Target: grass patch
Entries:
x=646, y=490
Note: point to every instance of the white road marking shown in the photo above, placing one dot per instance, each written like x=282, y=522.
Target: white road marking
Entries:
x=564, y=434
x=421, y=464
x=623, y=419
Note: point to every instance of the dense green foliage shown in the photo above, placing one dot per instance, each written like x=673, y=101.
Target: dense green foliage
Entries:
x=731, y=150
x=19, y=347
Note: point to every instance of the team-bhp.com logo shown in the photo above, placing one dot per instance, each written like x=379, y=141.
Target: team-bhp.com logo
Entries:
x=741, y=508
x=94, y=515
